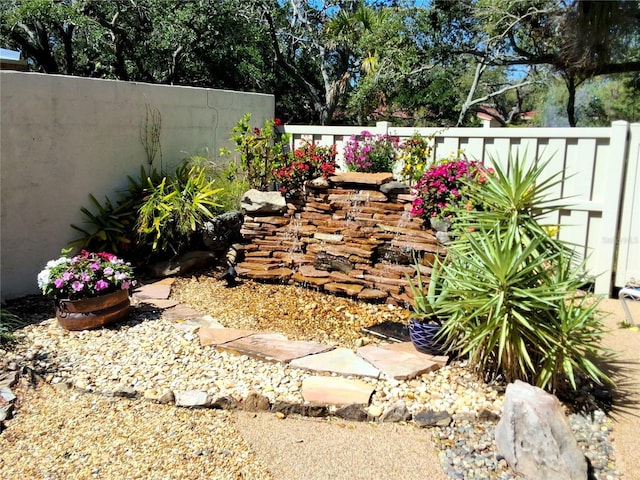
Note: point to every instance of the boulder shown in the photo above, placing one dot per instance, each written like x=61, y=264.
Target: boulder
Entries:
x=222, y=231
x=255, y=201
x=535, y=438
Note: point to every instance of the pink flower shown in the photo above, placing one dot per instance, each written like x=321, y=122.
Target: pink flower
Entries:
x=58, y=282
x=102, y=285
x=95, y=266
x=108, y=271
x=77, y=286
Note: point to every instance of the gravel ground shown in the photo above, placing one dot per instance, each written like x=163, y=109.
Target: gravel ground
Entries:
x=148, y=355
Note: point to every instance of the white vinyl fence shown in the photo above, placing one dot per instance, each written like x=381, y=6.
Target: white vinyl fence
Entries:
x=599, y=167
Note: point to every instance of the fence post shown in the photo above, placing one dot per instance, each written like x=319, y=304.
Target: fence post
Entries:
x=611, y=207
x=628, y=234
x=382, y=128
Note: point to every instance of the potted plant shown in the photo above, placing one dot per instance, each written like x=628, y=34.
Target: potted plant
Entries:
x=425, y=323
x=90, y=289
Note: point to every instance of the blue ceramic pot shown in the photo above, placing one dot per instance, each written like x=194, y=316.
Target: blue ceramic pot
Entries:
x=423, y=336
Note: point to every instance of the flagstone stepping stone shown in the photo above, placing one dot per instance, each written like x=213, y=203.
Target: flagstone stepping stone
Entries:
x=273, y=347
x=192, y=325
x=398, y=363
x=339, y=360
x=218, y=336
x=180, y=313
x=408, y=347
x=336, y=391
x=160, y=303
x=157, y=290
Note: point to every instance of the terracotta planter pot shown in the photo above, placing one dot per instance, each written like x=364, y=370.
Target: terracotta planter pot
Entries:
x=93, y=312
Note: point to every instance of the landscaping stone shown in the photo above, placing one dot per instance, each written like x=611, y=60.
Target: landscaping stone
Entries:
x=256, y=402
x=255, y=201
x=353, y=412
x=535, y=438
x=273, y=347
x=192, y=399
x=336, y=391
x=430, y=418
x=217, y=336
x=339, y=360
x=360, y=178
x=397, y=412
x=398, y=363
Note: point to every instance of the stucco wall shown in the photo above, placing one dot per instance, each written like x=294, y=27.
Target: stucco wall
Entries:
x=63, y=138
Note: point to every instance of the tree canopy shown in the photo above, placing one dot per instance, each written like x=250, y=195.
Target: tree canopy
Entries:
x=352, y=61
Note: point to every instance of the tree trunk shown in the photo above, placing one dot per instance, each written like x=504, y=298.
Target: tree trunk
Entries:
x=571, y=101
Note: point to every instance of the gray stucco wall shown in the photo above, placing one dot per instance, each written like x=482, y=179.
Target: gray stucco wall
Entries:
x=63, y=138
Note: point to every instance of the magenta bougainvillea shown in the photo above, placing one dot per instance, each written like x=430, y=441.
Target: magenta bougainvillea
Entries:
x=371, y=153
x=444, y=186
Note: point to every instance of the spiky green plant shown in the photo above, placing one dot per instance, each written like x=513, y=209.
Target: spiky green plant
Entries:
x=507, y=287
x=9, y=323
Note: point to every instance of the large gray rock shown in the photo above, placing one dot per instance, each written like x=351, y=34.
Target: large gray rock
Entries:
x=534, y=436
x=255, y=201
x=222, y=231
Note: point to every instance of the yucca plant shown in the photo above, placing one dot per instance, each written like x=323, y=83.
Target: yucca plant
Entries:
x=507, y=287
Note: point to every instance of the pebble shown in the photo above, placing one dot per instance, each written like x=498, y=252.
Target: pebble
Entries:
x=152, y=359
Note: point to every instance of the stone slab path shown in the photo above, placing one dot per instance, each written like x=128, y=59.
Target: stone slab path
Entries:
x=400, y=361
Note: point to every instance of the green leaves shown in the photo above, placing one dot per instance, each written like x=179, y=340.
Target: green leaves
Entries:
x=509, y=290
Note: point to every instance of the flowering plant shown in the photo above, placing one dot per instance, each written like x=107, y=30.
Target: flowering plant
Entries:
x=259, y=149
x=85, y=275
x=415, y=154
x=305, y=163
x=444, y=186
x=374, y=153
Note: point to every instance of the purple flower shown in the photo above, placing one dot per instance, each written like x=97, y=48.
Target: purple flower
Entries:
x=85, y=277
x=77, y=286
x=108, y=271
x=67, y=276
x=102, y=285
x=95, y=266
x=58, y=282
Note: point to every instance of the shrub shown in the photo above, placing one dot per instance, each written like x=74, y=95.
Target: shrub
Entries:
x=446, y=186
x=415, y=154
x=157, y=217
x=173, y=209
x=9, y=323
x=372, y=153
x=305, y=163
x=509, y=290
x=260, y=149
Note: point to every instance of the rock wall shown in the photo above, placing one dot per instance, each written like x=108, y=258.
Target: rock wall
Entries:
x=351, y=234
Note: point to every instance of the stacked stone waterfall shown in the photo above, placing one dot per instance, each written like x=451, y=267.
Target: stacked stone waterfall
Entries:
x=350, y=234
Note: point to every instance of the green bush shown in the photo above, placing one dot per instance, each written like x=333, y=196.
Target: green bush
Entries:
x=509, y=291
x=9, y=323
x=156, y=218
x=260, y=150
x=173, y=209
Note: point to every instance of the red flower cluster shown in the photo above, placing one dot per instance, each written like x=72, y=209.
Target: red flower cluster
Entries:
x=305, y=163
